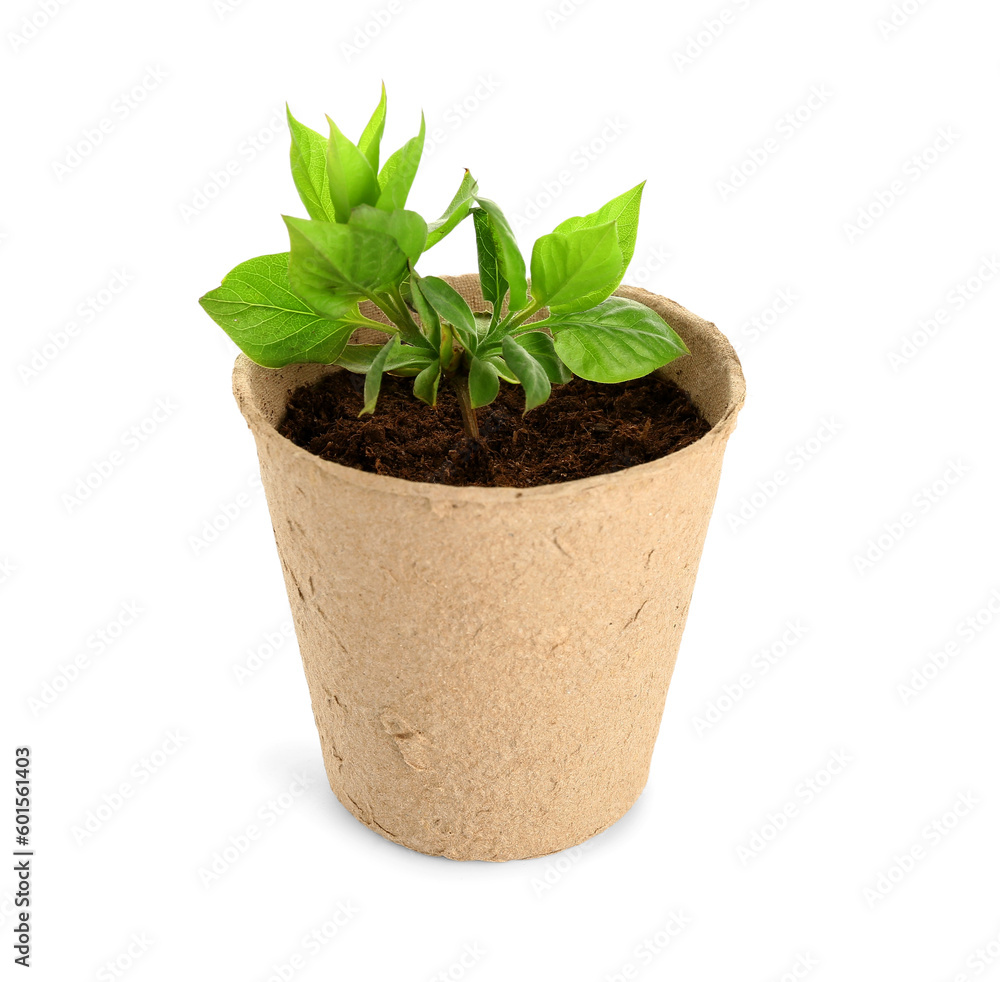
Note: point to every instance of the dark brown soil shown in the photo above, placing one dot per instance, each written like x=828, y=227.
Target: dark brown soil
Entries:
x=584, y=429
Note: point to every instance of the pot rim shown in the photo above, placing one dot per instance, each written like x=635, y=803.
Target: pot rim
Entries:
x=245, y=370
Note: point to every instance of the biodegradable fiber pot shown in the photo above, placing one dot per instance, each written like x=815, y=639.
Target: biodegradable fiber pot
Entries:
x=488, y=666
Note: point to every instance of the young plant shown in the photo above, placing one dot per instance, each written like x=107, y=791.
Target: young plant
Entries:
x=360, y=243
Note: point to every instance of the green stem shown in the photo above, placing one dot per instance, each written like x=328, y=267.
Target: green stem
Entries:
x=385, y=305
x=393, y=307
x=460, y=383
x=403, y=309
x=362, y=321
x=525, y=328
x=513, y=322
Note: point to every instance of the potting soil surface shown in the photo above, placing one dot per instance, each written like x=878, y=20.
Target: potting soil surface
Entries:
x=584, y=429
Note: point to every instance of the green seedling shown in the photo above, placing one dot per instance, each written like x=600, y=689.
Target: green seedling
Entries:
x=361, y=244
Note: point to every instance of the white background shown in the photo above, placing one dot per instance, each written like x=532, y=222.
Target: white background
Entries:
x=868, y=416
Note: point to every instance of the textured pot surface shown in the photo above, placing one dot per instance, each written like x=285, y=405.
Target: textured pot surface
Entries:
x=488, y=666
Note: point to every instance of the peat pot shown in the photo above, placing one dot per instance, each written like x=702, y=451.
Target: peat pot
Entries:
x=488, y=666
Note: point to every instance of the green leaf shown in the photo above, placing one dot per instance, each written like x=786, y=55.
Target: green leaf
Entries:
x=352, y=180
x=614, y=342
x=529, y=372
x=451, y=306
x=396, y=177
x=373, y=380
x=371, y=139
x=446, y=346
x=308, y=159
x=623, y=211
x=576, y=270
x=331, y=262
x=493, y=284
x=503, y=370
x=541, y=347
x=255, y=306
x=406, y=227
x=483, y=323
x=483, y=382
x=425, y=385
x=510, y=260
x=405, y=360
x=455, y=213
x=430, y=323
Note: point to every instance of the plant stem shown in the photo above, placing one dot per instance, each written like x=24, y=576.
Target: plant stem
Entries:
x=460, y=383
x=518, y=319
x=404, y=312
x=525, y=328
x=363, y=321
x=395, y=309
x=387, y=308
